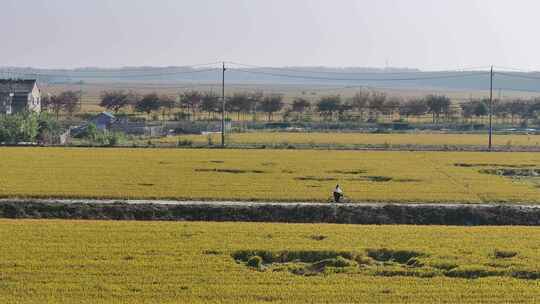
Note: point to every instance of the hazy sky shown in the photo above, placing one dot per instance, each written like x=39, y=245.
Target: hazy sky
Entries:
x=427, y=34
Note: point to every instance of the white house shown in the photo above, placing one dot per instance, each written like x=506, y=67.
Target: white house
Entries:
x=19, y=95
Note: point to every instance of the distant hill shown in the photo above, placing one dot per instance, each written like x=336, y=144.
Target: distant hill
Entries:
x=312, y=76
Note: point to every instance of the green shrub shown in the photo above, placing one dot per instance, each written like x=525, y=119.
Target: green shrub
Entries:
x=385, y=255
x=184, y=143
x=49, y=129
x=304, y=256
x=318, y=237
x=525, y=274
x=335, y=262
x=472, y=272
x=502, y=254
x=96, y=137
x=443, y=265
x=415, y=262
x=255, y=262
x=308, y=256
x=404, y=272
x=114, y=139
x=18, y=128
x=245, y=255
x=362, y=260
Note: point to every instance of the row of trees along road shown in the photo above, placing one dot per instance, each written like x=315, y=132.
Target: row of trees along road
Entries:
x=194, y=103
x=363, y=106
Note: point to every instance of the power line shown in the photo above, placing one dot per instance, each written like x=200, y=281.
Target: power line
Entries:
x=490, y=144
x=300, y=70
x=363, y=79
x=381, y=72
x=517, y=76
x=223, y=106
x=515, y=69
x=115, y=76
x=137, y=85
x=517, y=90
x=112, y=70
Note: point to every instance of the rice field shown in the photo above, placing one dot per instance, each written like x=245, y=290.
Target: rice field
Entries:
x=269, y=175
x=362, y=139
x=57, y=261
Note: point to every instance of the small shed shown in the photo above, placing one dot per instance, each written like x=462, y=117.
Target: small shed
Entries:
x=104, y=120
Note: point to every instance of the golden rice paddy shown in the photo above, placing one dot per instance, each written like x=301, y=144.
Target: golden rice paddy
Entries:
x=269, y=175
x=57, y=261
x=351, y=139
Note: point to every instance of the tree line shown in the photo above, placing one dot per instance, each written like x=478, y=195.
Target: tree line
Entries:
x=363, y=106
x=194, y=103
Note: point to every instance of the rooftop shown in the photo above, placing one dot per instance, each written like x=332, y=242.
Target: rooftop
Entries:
x=16, y=85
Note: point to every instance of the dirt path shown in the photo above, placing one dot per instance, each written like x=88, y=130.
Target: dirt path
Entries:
x=260, y=203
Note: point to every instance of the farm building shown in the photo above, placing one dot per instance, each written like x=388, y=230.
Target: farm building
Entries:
x=19, y=95
x=104, y=120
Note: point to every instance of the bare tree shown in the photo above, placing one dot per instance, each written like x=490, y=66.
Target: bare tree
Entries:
x=167, y=104
x=148, y=103
x=516, y=107
x=49, y=103
x=255, y=100
x=534, y=108
x=376, y=103
x=474, y=108
x=191, y=100
x=69, y=101
x=438, y=104
x=414, y=107
x=114, y=100
x=210, y=103
x=500, y=109
x=360, y=102
x=300, y=105
x=391, y=106
x=239, y=103
x=271, y=104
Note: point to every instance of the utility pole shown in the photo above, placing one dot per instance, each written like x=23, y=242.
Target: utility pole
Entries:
x=11, y=95
x=490, y=108
x=80, y=95
x=9, y=109
x=223, y=106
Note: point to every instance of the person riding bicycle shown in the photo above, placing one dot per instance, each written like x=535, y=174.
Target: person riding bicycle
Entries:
x=338, y=193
